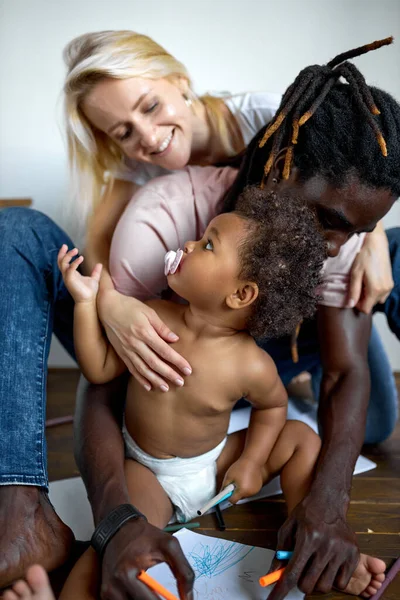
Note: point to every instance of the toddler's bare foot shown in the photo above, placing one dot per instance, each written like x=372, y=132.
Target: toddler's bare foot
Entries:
x=368, y=577
x=36, y=586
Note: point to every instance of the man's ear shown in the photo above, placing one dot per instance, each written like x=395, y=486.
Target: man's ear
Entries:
x=275, y=175
x=243, y=296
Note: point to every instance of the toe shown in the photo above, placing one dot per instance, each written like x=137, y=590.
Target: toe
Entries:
x=10, y=595
x=375, y=565
x=21, y=588
x=37, y=577
x=375, y=585
x=39, y=582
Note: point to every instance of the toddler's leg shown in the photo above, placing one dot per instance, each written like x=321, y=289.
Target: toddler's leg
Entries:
x=146, y=495
x=294, y=456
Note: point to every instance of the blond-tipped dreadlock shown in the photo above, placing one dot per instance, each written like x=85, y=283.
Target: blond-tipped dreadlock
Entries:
x=312, y=85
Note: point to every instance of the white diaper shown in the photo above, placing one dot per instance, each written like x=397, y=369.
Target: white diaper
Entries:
x=189, y=482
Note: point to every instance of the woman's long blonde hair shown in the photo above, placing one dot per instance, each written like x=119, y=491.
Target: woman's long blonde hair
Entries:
x=119, y=55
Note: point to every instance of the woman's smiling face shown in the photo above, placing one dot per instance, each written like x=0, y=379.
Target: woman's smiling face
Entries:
x=147, y=118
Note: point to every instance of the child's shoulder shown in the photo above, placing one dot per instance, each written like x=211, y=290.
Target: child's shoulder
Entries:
x=255, y=361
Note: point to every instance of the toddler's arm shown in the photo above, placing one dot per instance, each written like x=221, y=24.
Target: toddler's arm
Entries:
x=266, y=393
x=96, y=357
x=268, y=398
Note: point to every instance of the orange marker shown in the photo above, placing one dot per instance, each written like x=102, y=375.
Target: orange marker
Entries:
x=155, y=586
x=271, y=577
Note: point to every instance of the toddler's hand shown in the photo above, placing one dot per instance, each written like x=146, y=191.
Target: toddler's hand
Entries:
x=81, y=288
x=247, y=476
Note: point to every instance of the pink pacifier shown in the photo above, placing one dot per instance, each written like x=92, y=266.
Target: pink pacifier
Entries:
x=171, y=261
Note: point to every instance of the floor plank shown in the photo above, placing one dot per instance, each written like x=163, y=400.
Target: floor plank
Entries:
x=374, y=511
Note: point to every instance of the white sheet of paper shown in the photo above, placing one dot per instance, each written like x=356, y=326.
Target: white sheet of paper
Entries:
x=70, y=501
x=224, y=570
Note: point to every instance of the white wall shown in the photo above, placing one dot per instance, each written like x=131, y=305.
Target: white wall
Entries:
x=233, y=45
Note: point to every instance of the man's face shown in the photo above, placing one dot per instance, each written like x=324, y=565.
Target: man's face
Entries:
x=341, y=211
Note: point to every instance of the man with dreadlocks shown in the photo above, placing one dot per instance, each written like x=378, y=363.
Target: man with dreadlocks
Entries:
x=337, y=144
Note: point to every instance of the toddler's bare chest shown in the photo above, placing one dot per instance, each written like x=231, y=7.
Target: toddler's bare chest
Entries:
x=215, y=378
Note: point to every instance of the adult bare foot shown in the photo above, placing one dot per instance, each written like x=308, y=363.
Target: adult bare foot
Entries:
x=31, y=532
x=368, y=577
x=36, y=586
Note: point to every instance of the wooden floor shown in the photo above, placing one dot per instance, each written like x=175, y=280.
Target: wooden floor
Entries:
x=374, y=511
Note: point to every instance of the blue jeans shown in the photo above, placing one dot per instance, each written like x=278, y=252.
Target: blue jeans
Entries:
x=34, y=303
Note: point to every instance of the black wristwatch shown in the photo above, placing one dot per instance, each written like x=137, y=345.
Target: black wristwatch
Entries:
x=112, y=523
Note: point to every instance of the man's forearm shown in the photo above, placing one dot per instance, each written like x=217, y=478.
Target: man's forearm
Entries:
x=99, y=446
x=342, y=416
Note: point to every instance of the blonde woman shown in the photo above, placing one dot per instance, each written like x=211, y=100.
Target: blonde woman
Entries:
x=130, y=114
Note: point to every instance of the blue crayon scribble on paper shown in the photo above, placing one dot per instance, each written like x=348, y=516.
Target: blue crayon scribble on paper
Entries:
x=210, y=561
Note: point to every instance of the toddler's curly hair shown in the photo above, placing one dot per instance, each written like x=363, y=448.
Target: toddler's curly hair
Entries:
x=283, y=253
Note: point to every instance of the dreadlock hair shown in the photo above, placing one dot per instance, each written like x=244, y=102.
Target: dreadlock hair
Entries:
x=283, y=252
x=329, y=128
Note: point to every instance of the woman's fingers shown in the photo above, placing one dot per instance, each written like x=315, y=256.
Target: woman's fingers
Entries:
x=153, y=369
x=154, y=340
x=161, y=328
x=141, y=380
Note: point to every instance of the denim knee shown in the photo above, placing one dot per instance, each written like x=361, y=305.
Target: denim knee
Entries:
x=32, y=234
x=20, y=216
x=16, y=222
x=391, y=307
x=379, y=430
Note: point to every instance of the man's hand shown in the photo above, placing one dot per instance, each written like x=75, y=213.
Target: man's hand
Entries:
x=324, y=549
x=247, y=477
x=138, y=546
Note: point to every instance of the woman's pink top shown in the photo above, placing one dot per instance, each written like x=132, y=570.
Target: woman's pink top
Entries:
x=171, y=210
